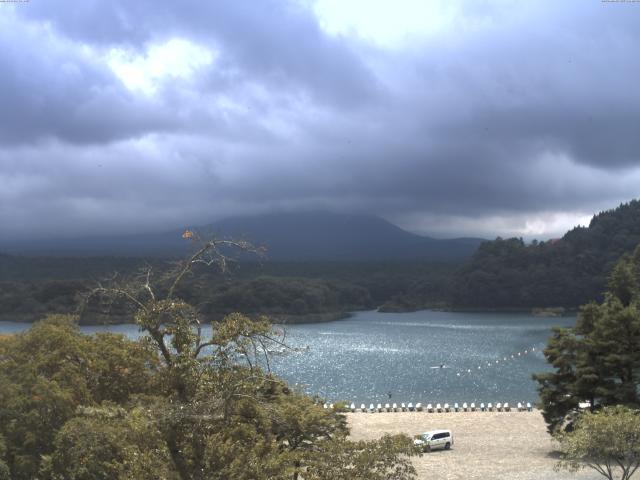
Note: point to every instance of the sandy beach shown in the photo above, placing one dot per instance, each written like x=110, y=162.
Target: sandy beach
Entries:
x=487, y=445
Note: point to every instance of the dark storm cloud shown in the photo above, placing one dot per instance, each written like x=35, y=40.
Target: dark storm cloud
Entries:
x=515, y=114
x=50, y=88
x=278, y=41
x=562, y=79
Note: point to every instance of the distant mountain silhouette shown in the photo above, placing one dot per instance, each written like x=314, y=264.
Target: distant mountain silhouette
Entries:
x=307, y=236
x=339, y=237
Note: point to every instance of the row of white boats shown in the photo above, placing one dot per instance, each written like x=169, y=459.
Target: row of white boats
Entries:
x=439, y=408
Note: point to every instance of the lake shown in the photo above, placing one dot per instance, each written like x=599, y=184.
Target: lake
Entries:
x=425, y=356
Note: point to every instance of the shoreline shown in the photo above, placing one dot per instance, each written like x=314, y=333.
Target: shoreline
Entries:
x=278, y=319
x=290, y=319
x=543, y=312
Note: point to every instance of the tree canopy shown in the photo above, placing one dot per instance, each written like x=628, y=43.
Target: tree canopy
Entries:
x=563, y=272
x=186, y=401
x=607, y=441
x=598, y=360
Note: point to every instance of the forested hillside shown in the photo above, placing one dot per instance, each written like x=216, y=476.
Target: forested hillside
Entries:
x=502, y=274
x=33, y=287
x=566, y=272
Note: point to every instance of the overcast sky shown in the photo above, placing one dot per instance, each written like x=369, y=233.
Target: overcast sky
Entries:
x=452, y=117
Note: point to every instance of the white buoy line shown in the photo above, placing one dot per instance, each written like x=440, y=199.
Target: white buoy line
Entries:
x=439, y=407
x=497, y=362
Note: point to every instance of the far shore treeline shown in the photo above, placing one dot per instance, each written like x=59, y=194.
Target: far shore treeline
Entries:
x=504, y=274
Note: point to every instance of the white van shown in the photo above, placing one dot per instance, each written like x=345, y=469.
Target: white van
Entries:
x=428, y=441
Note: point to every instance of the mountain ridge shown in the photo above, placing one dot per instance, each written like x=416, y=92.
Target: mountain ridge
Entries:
x=291, y=236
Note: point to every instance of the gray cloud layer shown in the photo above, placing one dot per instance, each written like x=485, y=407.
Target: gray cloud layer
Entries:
x=529, y=114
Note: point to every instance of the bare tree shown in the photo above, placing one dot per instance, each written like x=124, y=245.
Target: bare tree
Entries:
x=201, y=378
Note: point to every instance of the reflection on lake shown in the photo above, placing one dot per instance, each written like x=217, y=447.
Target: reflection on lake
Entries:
x=368, y=356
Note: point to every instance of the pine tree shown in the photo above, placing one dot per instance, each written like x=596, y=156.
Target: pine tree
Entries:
x=599, y=359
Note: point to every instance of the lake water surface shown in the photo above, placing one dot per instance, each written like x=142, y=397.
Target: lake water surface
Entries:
x=366, y=357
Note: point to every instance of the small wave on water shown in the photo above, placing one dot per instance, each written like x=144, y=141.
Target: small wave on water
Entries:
x=341, y=334
x=446, y=326
x=377, y=349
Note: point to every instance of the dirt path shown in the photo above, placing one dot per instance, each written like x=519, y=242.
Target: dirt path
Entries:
x=487, y=445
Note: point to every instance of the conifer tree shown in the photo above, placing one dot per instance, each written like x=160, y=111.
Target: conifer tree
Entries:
x=599, y=359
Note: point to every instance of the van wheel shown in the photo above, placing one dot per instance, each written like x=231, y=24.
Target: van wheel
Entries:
x=447, y=446
x=427, y=448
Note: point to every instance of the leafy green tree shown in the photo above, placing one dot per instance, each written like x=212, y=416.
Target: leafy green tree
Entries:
x=598, y=360
x=214, y=410
x=607, y=441
x=109, y=443
x=49, y=371
x=178, y=404
x=5, y=474
x=384, y=459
